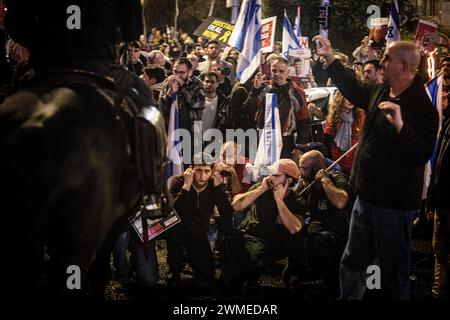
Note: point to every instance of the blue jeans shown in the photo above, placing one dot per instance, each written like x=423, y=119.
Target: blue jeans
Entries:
x=147, y=269
x=378, y=236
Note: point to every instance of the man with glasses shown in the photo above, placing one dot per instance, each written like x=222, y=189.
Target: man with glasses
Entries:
x=190, y=95
x=397, y=141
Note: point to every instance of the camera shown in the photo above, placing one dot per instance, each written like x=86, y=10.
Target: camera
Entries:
x=225, y=71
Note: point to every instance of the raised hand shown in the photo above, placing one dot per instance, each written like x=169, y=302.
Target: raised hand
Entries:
x=321, y=175
x=265, y=184
x=279, y=191
x=259, y=80
x=393, y=114
x=324, y=49
x=217, y=178
x=188, y=178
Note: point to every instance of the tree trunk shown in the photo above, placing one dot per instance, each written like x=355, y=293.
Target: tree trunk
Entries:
x=177, y=13
x=211, y=8
x=144, y=18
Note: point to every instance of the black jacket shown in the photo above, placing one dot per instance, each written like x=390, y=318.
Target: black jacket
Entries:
x=195, y=209
x=388, y=168
x=438, y=193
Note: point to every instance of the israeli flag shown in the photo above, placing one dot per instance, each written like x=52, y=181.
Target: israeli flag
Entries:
x=434, y=89
x=393, y=31
x=246, y=37
x=174, y=146
x=290, y=40
x=297, y=26
x=270, y=142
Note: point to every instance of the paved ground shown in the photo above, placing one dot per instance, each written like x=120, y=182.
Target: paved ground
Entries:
x=271, y=287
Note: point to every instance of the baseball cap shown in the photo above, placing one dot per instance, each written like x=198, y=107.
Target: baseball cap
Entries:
x=286, y=166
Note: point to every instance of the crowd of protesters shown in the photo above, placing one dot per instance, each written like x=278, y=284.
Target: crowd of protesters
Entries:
x=331, y=224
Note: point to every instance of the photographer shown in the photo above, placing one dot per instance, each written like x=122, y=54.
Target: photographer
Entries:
x=196, y=192
x=212, y=50
x=191, y=95
x=223, y=71
x=364, y=52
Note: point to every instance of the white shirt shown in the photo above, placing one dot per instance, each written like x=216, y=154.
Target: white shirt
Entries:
x=209, y=113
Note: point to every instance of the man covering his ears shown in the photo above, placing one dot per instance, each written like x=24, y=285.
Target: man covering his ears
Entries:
x=268, y=230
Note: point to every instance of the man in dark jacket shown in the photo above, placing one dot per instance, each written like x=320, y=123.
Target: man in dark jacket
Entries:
x=438, y=202
x=190, y=95
x=196, y=192
x=397, y=141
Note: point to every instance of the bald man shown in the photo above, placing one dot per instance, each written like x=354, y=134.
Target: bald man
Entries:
x=325, y=207
x=397, y=141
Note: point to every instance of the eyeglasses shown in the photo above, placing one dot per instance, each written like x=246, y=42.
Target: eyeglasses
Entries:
x=445, y=65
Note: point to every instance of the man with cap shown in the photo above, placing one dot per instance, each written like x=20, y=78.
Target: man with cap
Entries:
x=267, y=232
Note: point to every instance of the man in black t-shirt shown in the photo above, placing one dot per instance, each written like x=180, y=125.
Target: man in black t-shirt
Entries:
x=324, y=205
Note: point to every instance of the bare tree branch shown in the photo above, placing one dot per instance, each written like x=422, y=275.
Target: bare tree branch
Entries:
x=211, y=8
x=177, y=13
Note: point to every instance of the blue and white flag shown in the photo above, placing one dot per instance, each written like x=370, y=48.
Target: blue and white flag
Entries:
x=174, y=145
x=290, y=40
x=246, y=37
x=393, y=31
x=297, y=25
x=270, y=142
x=434, y=89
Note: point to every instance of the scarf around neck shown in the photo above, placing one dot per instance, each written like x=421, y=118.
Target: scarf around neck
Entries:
x=343, y=137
